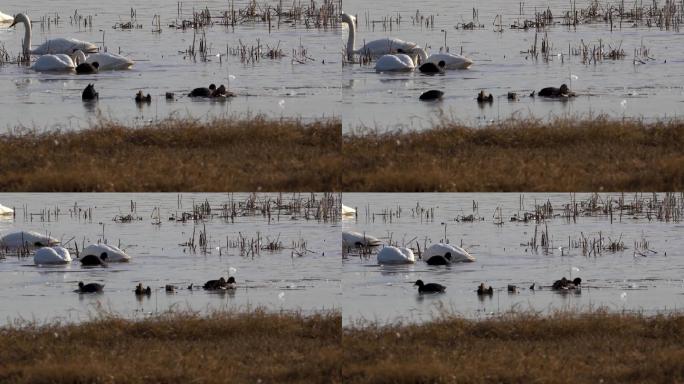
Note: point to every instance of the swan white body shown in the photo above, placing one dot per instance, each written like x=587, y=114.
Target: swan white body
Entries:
x=398, y=62
x=394, y=255
x=106, y=61
x=356, y=239
x=346, y=211
x=53, y=46
x=52, y=255
x=452, y=253
x=4, y=18
x=6, y=210
x=114, y=254
x=376, y=48
x=451, y=60
x=54, y=63
x=30, y=239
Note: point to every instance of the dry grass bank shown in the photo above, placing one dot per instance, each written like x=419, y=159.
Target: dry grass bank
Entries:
x=177, y=349
x=566, y=155
x=176, y=155
x=591, y=348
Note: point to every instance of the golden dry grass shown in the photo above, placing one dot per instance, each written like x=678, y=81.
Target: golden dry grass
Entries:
x=589, y=348
x=223, y=348
x=514, y=155
x=176, y=155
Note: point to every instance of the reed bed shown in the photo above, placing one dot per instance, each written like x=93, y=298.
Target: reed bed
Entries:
x=587, y=155
x=519, y=348
x=253, y=346
x=250, y=154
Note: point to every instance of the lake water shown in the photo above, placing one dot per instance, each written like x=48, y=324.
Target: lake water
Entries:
x=651, y=89
x=646, y=276
x=307, y=88
x=304, y=274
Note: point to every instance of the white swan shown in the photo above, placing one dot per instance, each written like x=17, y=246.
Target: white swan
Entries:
x=6, y=210
x=356, y=239
x=113, y=253
x=394, y=255
x=54, y=63
x=348, y=211
x=106, y=61
x=376, y=48
x=452, y=253
x=398, y=62
x=29, y=239
x=60, y=45
x=4, y=18
x=52, y=255
x=451, y=60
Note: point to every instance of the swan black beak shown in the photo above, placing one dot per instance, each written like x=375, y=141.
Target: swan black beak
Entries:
x=13, y=23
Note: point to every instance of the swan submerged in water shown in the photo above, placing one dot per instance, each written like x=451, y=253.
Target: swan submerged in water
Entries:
x=442, y=254
x=106, y=61
x=30, y=239
x=398, y=62
x=376, y=48
x=52, y=255
x=356, y=239
x=451, y=60
x=6, y=210
x=54, y=63
x=106, y=252
x=62, y=45
x=394, y=255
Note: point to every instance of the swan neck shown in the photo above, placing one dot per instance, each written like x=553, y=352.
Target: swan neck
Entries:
x=351, y=40
x=27, y=36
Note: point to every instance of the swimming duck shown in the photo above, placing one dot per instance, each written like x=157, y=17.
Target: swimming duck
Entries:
x=215, y=284
x=203, y=92
x=554, y=92
x=432, y=68
x=89, y=93
x=89, y=288
x=482, y=97
x=483, y=290
x=231, y=284
x=87, y=68
x=141, y=98
x=565, y=284
x=139, y=290
x=429, y=287
x=92, y=260
x=432, y=94
x=171, y=288
x=222, y=92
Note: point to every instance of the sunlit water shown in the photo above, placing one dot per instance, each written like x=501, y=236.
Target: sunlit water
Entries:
x=290, y=279
x=273, y=87
x=650, y=281
x=618, y=88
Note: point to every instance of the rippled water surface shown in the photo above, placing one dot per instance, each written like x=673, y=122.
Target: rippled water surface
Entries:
x=647, y=275
x=651, y=88
x=295, y=277
x=307, y=87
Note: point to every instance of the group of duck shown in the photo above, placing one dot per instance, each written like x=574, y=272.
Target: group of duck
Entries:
x=212, y=92
x=220, y=284
x=562, y=285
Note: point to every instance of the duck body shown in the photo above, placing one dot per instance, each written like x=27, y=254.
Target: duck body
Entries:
x=89, y=93
x=482, y=290
x=451, y=61
x=89, y=288
x=107, y=252
x=393, y=256
x=564, y=284
x=52, y=256
x=431, y=68
x=29, y=239
x=203, y=92
x=215, y=284
x=140, y=291
x=432, y=94
x=484, y=97
x=429, y=287
x=87, y=68
x=452, y=253
x=553, y=92
x=141, y=98
x=398, y=62
x=356, y=239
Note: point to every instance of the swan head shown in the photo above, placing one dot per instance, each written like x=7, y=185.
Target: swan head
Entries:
x=347, y=18
x=20, y=18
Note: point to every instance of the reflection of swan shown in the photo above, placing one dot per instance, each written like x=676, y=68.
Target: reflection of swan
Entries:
x=106, y=61
x=53, y=63
x=52, y=255
x=356, y=239
x=346, y=211
x=377, y=48
x=9, y=211
x=452, y=253
x=111, y=253
x=394, y=255
x=451, y=60
x=30, y=239
x=398, y=62
x=6, y=18
x=59, y=45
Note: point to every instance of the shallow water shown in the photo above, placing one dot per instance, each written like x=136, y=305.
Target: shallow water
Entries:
x=618, y=88
x=632, y=279
x=278, y=87
x=290, y=279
